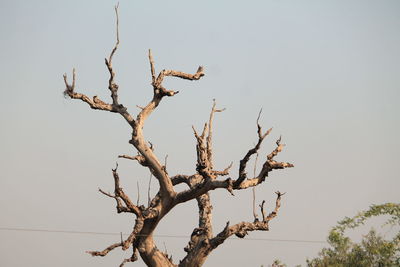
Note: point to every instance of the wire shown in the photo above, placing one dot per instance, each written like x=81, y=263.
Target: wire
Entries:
x=55, y=231
x=165, y=236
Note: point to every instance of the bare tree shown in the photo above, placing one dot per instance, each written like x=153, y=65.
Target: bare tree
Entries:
x=202, y=241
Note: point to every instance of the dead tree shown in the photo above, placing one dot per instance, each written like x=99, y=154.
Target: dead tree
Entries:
x=202, y=241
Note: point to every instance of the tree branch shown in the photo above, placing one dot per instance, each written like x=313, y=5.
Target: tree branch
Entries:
x=97, y=103
x=268, y=166
x=223, y=172
x=160, y=91
x=105, y=251
x=202, y=188
x=124, y=244
x=242, y=229
x=94, y=103
x=179, y=179
x=204, y=164
x=262, y=210
x=120, y=196
x=111, y=83
x=138, y=141
x=199, y=73
x=120, y=206
x=209, y=137
x=133, y=258
x=246, y=158
x=138, y=158
x=206, y=185
x=153, y=72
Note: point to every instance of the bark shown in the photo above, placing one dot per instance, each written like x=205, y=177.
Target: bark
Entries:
x=207, y=178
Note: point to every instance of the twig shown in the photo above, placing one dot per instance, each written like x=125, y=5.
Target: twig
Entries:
x=111, y=83
x=138, y=193
x=254, y=189
x=153, y=72
x=262, y=210
x=165, y=163
x=148, y=190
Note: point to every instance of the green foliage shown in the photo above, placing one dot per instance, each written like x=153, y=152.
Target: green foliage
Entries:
x=278, y=263
x=373, y=250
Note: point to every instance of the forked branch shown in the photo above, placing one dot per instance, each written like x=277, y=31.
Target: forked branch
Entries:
x=243, y=228
x=209, y=183
x=246, y=158
x=120, y=196
x=125, y=244
x=95, y=103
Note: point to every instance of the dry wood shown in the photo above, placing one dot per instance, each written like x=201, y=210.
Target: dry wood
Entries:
x=200, y=184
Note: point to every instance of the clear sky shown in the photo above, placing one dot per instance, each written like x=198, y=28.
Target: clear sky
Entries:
x=326, y=74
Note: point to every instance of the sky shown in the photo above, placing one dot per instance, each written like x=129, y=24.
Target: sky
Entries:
x=325, y=73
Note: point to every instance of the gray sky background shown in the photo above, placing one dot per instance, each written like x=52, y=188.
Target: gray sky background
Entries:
x=326, y=74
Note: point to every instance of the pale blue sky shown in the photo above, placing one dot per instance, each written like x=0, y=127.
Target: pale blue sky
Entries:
x=326, y=74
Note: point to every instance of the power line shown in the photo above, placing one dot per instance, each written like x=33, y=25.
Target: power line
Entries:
x=55, y=231
x=160, y=235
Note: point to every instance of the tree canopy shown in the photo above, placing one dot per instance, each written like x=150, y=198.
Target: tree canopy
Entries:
x=373, y=250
